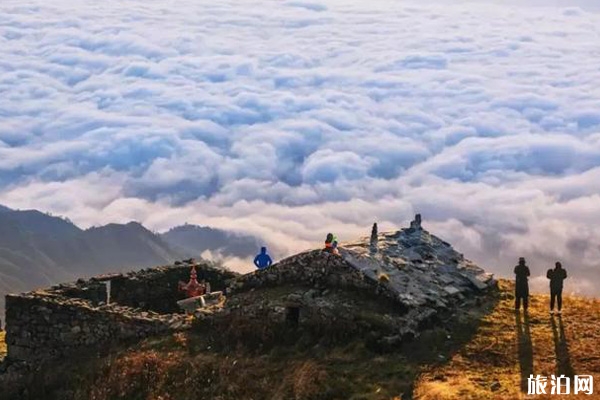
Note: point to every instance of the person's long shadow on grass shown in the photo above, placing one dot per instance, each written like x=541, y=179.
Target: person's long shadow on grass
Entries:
x=525, y=348
x=561, y=348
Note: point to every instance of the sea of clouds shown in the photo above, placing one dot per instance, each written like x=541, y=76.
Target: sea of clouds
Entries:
x=290, y=119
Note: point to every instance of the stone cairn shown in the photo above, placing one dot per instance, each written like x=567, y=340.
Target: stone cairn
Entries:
x=374, y=238
x=416, y=223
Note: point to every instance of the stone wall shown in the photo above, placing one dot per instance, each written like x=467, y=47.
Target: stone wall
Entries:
x=42, y=327
x=291, y=313
x=316, y=269
x=156, y=289
x=94, y=291
x=58, y=321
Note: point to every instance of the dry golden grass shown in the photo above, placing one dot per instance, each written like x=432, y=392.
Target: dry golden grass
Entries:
x=507, y=348
x=165, y=371
x=2, y=344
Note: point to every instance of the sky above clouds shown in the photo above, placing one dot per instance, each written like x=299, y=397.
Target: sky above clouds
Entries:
x=289, y=119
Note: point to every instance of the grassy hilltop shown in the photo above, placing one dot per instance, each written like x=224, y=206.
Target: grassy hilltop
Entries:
x=484, y=354
x=507, y=348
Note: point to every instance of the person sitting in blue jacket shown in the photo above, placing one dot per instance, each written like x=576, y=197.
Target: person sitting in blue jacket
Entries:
x=263, y=260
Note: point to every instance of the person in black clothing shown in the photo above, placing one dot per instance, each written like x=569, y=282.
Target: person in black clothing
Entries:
x=521, y=285
x=556, y=276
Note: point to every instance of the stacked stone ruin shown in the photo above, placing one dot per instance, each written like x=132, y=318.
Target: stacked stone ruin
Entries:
x=410, y=277
x=422, y=276
x=94, y=314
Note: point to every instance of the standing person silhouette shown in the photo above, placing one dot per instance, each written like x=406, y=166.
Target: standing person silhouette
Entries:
x=262, y=260
x=557, y=277
x=521, y=285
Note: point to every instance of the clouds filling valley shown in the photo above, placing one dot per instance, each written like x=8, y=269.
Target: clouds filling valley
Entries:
x=292, y=119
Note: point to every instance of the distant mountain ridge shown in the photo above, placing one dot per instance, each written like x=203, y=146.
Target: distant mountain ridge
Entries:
x=38, y=250
x=191, y=239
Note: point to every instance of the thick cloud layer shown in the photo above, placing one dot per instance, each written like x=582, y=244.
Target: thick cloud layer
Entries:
x=291, y=119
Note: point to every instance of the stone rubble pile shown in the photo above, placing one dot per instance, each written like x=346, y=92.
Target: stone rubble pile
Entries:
x=418, y=266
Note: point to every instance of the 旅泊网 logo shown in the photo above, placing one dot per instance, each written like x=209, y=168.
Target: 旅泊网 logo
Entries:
x=582, y=384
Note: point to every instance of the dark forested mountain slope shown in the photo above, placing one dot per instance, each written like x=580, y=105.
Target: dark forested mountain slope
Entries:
x=193, y=240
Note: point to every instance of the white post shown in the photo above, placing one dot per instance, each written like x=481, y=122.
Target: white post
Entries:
x=107, y=283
